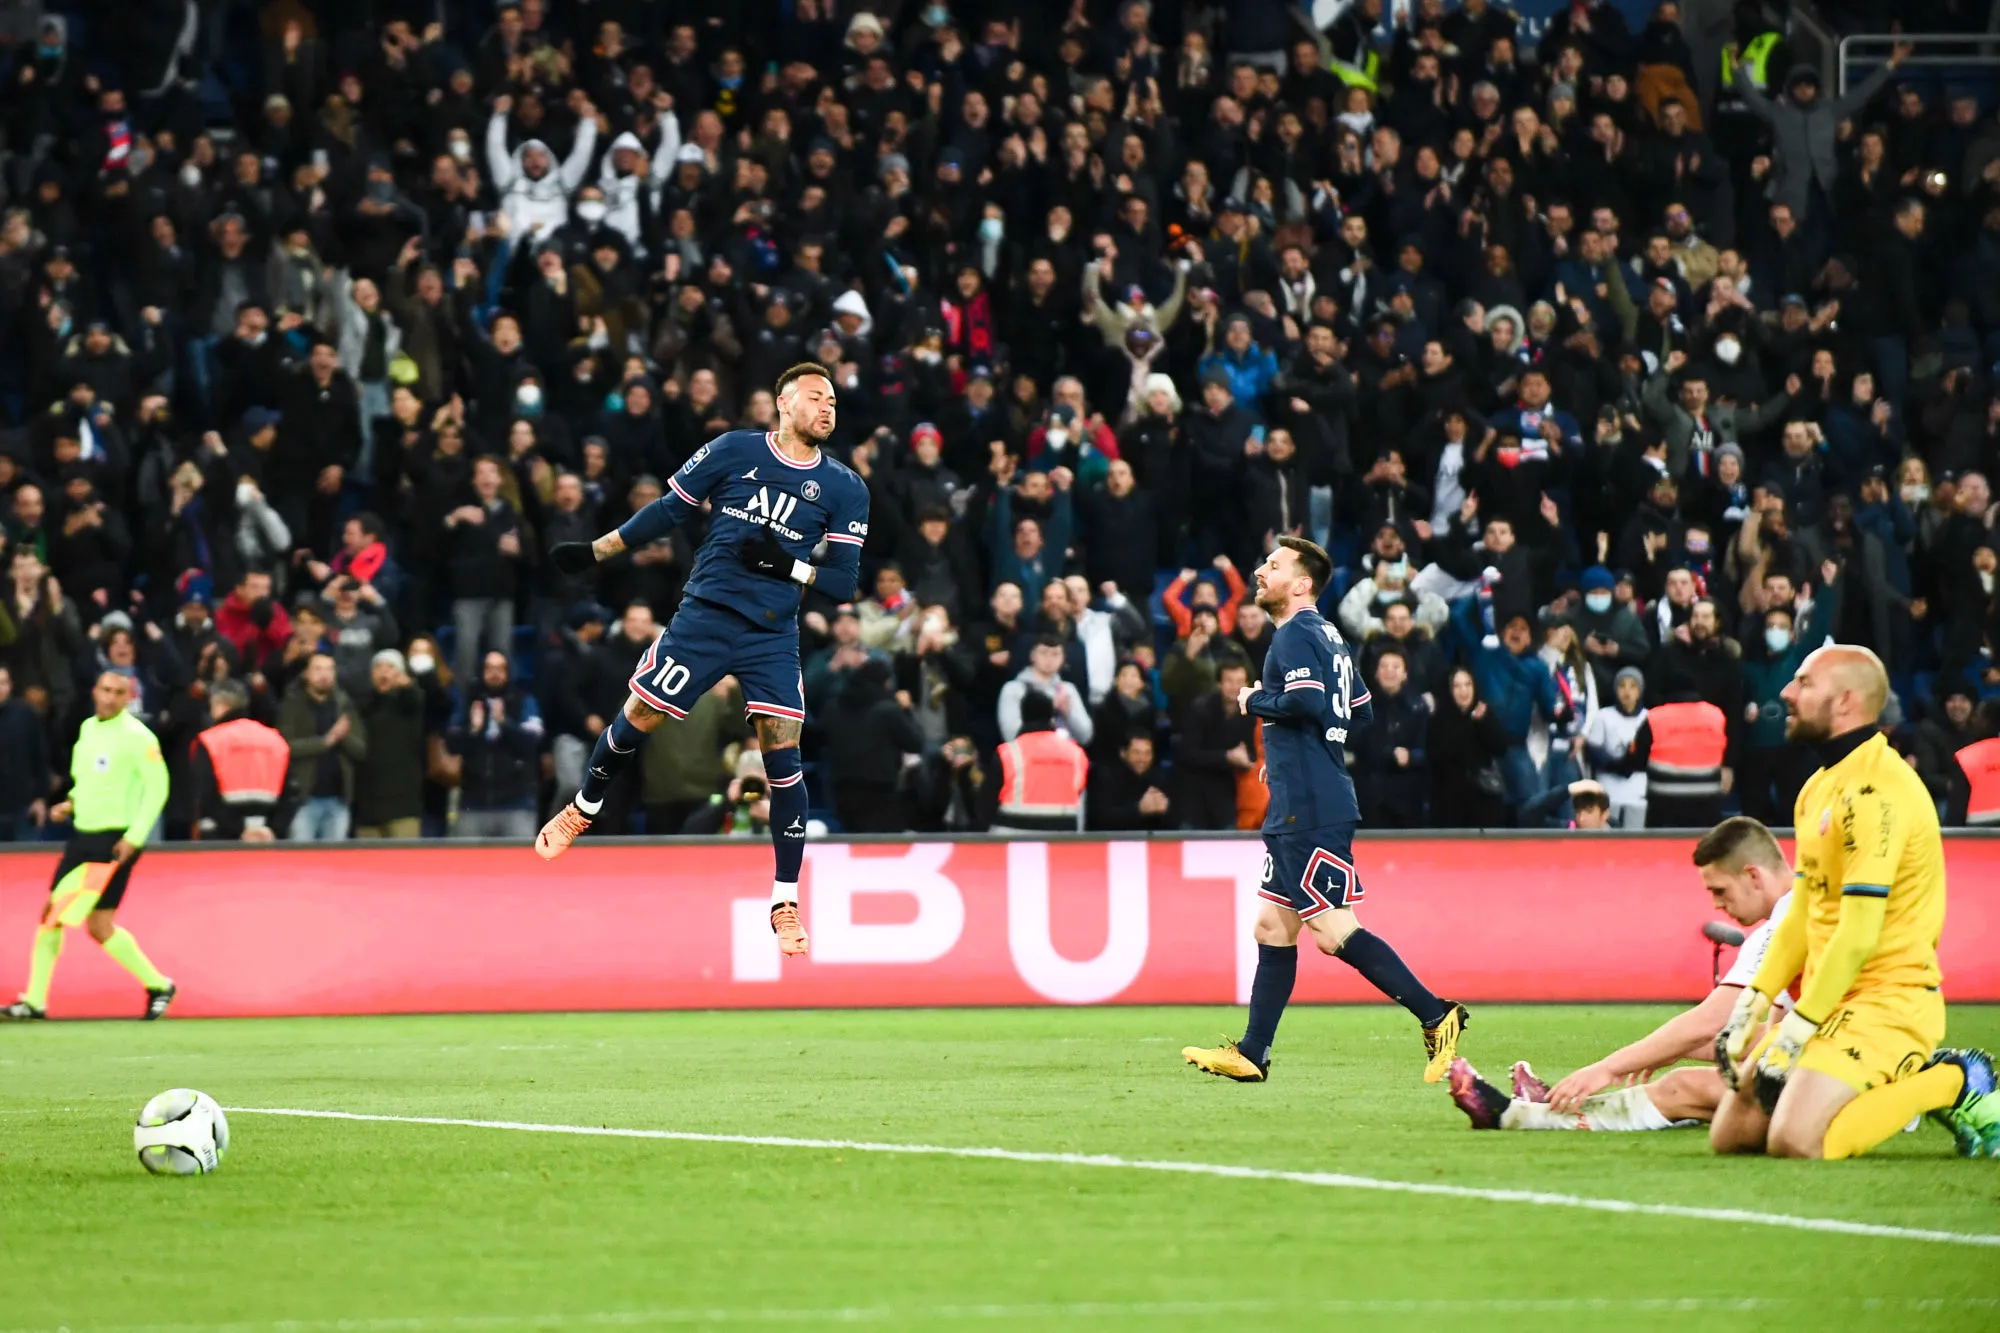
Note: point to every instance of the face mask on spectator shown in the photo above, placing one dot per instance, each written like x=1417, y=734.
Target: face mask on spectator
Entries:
x=1916, y=495
x=991, y=229
x=1057, y=437
x=381, y=191
x=591, y=211
x=937, y=16
x=461, y=149
x=1598, y=602
x=1777, y=640
x=190, y=175
x=420, y=663
x=1697, y=547
x=1728, y=351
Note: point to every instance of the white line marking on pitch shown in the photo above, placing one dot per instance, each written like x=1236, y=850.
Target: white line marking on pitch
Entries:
x=931, y=1314
x=1325, y=1179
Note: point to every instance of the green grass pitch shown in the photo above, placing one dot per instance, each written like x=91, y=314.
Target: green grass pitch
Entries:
x=376, y=1227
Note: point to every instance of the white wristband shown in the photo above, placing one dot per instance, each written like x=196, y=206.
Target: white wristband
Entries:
x=802, y=572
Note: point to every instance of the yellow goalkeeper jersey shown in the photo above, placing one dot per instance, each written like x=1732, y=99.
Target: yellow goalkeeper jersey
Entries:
x=1867, y=826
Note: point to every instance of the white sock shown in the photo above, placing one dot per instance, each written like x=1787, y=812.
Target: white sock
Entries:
x=1624, y=1110
x=783, y=893
x=587, y=806
x=1538, y=1115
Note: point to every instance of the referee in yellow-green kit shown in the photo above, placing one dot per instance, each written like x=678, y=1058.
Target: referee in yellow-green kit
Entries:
x=118, y=785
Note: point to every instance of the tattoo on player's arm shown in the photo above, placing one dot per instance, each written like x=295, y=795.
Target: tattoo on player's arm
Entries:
x=608, y=545
x=777, y=733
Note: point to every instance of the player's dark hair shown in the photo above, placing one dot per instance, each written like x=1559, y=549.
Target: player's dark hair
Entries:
x=1590, y=800
x=1737, y=841
x=801, y=371
x=1313, y=559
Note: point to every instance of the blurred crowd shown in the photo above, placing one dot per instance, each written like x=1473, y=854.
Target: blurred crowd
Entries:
x=1607, y=393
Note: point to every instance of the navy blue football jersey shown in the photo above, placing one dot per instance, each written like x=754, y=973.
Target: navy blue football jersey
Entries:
x=1311, y=695
x=748, y=484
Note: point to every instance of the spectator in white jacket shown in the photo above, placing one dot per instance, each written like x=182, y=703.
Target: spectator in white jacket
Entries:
x=1043, y=675
x=632, y=184
x=1386, y=584
x=1607, y=744
x=1106, y=634
x=534, y=192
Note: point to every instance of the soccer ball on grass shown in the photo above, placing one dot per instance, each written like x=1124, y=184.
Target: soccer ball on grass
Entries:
x=181, y=1132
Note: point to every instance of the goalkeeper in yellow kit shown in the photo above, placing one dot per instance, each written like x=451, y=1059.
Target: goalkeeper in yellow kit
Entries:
x=119, y=785
x=1856, y=1059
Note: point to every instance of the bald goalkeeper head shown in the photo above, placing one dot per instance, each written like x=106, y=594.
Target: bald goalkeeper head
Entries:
x=1837, y=689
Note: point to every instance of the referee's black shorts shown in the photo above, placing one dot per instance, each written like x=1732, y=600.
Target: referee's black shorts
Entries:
x=84, y=848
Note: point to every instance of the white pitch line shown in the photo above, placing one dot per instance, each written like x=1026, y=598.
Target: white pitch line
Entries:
x=1325, y=1179
x=1056, y=1310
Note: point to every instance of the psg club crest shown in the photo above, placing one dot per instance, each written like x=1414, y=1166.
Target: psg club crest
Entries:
x=811, y=489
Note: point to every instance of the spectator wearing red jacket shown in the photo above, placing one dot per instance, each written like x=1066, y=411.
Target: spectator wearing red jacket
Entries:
x=255, y=624
x=1204, y=594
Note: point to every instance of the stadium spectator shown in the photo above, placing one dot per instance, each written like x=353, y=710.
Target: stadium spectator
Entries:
x=328, y=739
x=498, y=739
x=1130, y=794
x=1392, y=753
x=1488, y=323
x=236, y=773
x=1935, y=746
x=485, y=539
x=389, y=779
x=1466, y=745
x=686, y=762
x=1217, y=746
x=1608, y=739
x=1043, y=676
x=1043, y=774
x=24, y=787
x=869, y=730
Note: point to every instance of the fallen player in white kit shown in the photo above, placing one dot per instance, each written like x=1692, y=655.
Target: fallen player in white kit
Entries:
x=1745, y=872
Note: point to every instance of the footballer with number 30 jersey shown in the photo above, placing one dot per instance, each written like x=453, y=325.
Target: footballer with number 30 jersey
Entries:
x=1308, y=702
x=1311, y=695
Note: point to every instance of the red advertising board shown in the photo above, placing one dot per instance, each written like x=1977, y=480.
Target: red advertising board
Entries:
x=442, y=928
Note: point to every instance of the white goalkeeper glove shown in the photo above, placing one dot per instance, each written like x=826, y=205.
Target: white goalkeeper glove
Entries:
x=1733, y=1042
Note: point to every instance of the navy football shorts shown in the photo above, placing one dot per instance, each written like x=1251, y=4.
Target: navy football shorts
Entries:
x=1311, y=871
x=705, y=642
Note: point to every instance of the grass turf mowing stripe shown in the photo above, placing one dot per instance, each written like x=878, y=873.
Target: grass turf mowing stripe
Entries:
x=1324, y=1179
x=869, y=1314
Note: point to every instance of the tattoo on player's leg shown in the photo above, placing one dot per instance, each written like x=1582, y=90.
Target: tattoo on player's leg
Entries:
x=642, y=714
x=777, y=733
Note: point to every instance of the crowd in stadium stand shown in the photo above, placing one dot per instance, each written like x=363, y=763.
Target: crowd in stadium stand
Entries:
x=323, y=323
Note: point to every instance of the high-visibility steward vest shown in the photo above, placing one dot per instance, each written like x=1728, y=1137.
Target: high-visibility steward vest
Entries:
x=1754, y=60
x=250, y=760
x=1981, y=762
x=1042, y=776
x=1689, y=742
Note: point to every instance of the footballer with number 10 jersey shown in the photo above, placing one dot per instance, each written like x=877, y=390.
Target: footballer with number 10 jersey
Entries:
x=751, y=488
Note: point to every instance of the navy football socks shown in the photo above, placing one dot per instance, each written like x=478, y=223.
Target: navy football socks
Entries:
x=1371, y=956
x=616, y=745
x=1270, y=992
x=788, y=814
